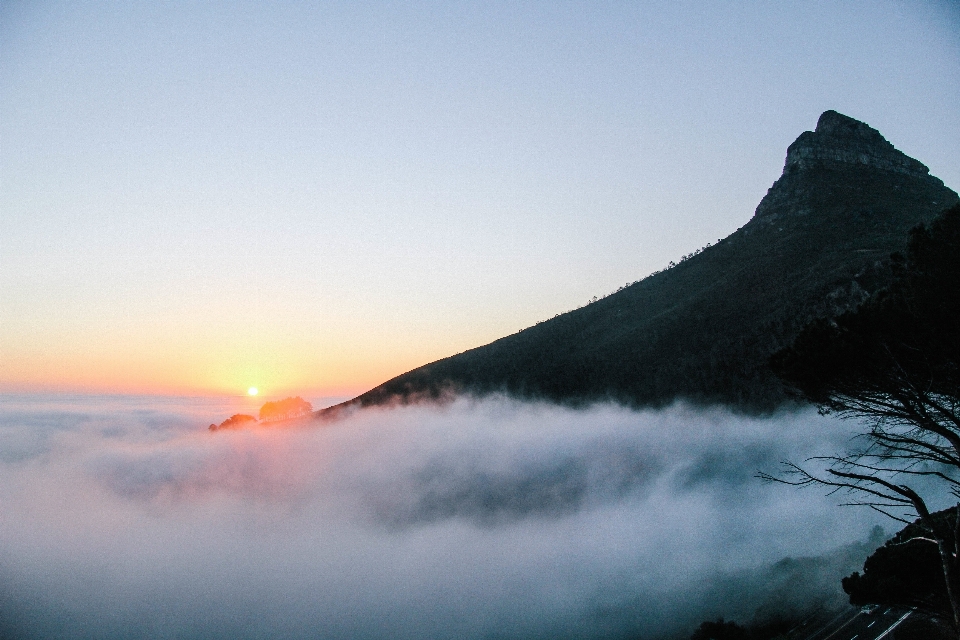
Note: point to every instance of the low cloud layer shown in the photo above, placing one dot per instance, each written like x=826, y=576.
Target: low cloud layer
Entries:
x=491, y=519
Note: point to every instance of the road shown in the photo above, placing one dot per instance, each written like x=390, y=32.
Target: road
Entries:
x=853, y=624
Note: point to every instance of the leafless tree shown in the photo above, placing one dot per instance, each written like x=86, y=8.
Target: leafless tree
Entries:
x=893, y=364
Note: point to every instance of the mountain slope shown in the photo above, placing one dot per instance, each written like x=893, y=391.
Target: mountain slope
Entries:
x=704, y=329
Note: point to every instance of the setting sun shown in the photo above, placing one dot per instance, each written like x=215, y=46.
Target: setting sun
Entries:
x=252, y=391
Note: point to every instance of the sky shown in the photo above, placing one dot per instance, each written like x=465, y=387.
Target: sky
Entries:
x=312, y=198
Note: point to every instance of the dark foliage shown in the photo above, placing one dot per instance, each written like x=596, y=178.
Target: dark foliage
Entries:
x=896, y=362
x=903, y=344
x=906, y=571
x=236, y=421
x=729, y=630
x=720, y=630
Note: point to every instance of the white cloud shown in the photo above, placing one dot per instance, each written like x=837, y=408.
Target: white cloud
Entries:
x=468, y=520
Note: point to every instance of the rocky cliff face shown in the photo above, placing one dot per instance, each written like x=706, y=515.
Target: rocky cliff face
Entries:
x=845, y=150
x=704, y=329
x=839, y=139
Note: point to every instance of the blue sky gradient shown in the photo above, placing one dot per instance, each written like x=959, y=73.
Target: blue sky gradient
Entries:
x=201, y=197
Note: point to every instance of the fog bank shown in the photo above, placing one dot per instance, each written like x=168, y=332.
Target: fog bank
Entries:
x=481, y=519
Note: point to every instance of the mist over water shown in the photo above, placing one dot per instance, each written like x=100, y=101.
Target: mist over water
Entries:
x=477, y=519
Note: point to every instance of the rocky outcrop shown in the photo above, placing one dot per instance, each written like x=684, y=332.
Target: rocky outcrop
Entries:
x=841, y=139
x=847, y=152
x=285, y=409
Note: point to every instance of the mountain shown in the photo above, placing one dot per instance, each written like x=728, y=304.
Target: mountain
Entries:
x=703, y=330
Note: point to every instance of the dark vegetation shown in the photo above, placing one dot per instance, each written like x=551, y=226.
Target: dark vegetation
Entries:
x=703, y=330
x=895, y=360
x=906, y=571
x=236, y=421
x=728, y=630
x=894, y=363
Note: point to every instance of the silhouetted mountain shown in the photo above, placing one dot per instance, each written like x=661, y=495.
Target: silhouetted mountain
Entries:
x=704, y=329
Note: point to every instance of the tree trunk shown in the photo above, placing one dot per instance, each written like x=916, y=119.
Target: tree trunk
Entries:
x=950, y=575
x=948, y=559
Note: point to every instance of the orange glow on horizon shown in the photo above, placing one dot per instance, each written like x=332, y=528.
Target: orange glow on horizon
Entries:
x=211, y=365
x=165, y=374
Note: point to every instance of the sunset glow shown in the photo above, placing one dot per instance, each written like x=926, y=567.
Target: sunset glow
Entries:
x=375, y=226
x=430, y=320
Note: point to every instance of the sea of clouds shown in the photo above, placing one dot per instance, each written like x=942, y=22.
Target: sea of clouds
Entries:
x=126, y=517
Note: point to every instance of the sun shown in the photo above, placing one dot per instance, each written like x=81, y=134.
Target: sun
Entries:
x=252, y=391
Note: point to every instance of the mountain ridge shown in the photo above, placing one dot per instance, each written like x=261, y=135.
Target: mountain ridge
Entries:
x=702, y=330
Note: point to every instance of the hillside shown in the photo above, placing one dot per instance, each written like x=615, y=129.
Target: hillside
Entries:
x=704, y=329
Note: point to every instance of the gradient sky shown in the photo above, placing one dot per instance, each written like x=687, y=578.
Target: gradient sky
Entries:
x=313, y=198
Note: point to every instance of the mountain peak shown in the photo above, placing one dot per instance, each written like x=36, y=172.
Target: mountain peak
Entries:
x=842, y=155
x=703, y=331
x=841, y=140
x=836, y=124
